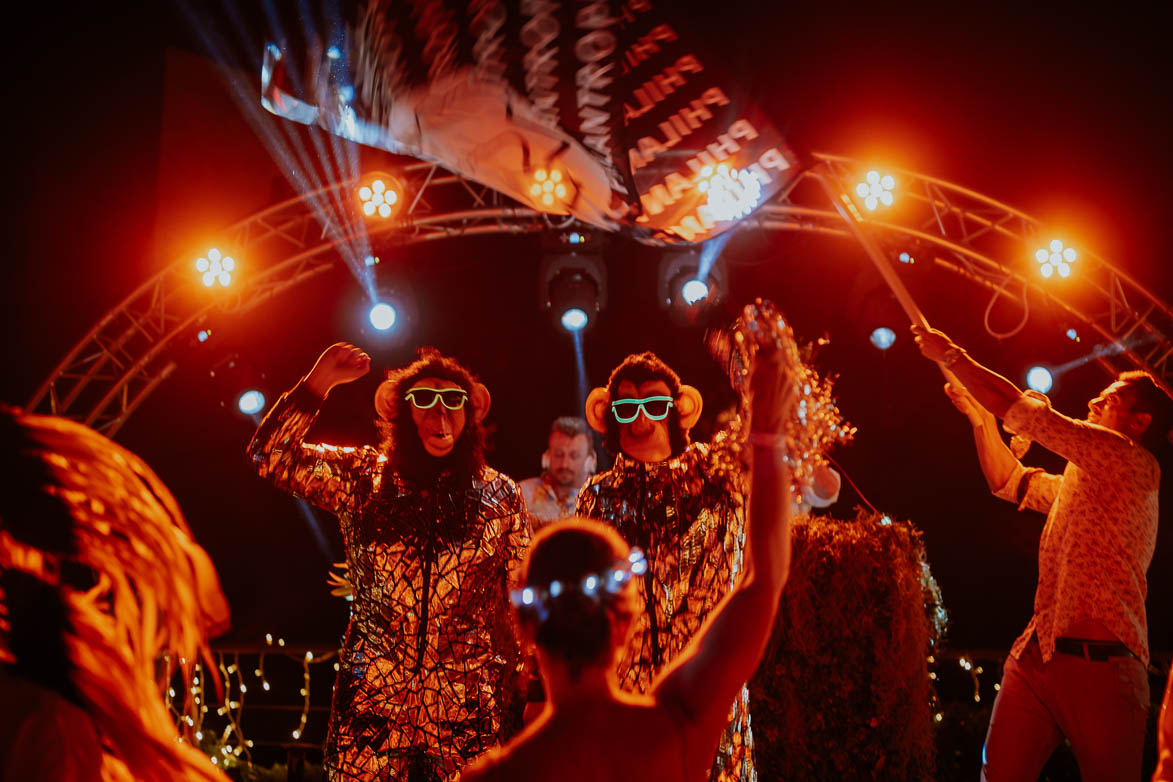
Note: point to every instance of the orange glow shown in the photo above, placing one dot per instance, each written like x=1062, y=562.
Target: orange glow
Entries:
x=549, y=187
x=215, y=267
x=730, y=193
x=379, y=196
x=1055, y=259
x=876, y=190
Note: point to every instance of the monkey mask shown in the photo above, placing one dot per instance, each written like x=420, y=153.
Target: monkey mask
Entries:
x=645, y=412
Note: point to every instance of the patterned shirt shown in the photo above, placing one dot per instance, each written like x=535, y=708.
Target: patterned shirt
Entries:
x=541, y=500
x=429, y=664
x=1101, y=527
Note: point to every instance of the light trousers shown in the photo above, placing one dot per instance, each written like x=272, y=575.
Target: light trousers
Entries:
x=1100, y=707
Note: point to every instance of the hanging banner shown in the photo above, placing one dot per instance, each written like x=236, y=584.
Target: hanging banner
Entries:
x=593, y=109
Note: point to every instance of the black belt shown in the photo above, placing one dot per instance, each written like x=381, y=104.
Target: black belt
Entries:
x=1097, y=651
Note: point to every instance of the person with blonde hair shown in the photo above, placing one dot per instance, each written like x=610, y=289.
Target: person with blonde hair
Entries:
x=101, y=587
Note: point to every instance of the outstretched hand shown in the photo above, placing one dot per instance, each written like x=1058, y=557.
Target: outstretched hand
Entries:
x=933, y=344
x=340, y=363
x=771, y=385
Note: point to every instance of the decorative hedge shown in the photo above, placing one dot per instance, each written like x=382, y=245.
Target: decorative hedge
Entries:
x=843, y=691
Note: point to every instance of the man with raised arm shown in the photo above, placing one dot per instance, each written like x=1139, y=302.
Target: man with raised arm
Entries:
x=577, y=607
x=433, y=535
x=1078, y=670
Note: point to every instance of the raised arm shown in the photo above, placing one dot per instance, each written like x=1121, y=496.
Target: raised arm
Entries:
x=322, y=474
x=998, y=463
x=1029, y=414
x=1005, y=475
x=703, y=681
x=992, y=391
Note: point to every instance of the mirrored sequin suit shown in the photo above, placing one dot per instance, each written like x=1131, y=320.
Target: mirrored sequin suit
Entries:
x=687, y=515
x=429, y=665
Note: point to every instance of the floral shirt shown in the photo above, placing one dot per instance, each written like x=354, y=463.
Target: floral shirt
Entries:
x=1101, y=527
x=543, y=504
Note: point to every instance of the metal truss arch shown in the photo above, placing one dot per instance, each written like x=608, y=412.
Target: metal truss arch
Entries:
x=131, y=350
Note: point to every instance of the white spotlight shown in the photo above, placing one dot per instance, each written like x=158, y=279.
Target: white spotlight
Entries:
x=251, y=402
x=1039, y=379
x=574, y=319
x=694, y=290
x=883, y=337
x=383, y=316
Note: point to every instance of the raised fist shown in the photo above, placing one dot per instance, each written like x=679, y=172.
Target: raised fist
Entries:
x=934, y=345
x=771, y=382
x=339, y=363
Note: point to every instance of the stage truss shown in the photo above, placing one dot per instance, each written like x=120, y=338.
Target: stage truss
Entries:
x=136, y=346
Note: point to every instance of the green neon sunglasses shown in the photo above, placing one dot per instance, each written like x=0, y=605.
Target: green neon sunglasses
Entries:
x=654, y=407
x=424, y=398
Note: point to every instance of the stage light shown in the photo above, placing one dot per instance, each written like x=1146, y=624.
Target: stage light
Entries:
x=686, y=289
x=573, y=298
x=883, y=337
x=215, y=267
x=694, y=290
x=731, y=193
x=572, y=279
x=1073, y=335
x=906, y=257
x=1039, y=379
x=570, y=288
x=1055, y=258
x=378, y=198
x=548, y=187
x=876, y=190
x=574, y=237
x=383, y=316
x=251, y=402
x=574, y=319
x=370, y=261
x=203, y=335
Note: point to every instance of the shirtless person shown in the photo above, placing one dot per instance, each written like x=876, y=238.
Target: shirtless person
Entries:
x=577, y=608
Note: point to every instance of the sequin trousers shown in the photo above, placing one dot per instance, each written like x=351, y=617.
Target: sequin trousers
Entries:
x=430, y=667
x=687, y=514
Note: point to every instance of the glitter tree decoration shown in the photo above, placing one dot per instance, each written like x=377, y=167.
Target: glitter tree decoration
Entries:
x=817, y=426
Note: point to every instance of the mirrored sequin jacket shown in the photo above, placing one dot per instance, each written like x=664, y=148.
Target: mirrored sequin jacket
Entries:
x=429, y=668
x=688, y=522
x=687, y=514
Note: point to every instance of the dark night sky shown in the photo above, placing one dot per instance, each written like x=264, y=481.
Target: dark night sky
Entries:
x=1062, y=112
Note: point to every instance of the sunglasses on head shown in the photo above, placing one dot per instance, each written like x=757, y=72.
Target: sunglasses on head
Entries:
x=424, y=398
x=654, y=407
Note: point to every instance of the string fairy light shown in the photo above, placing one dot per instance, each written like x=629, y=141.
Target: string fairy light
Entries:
x=225, y=742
